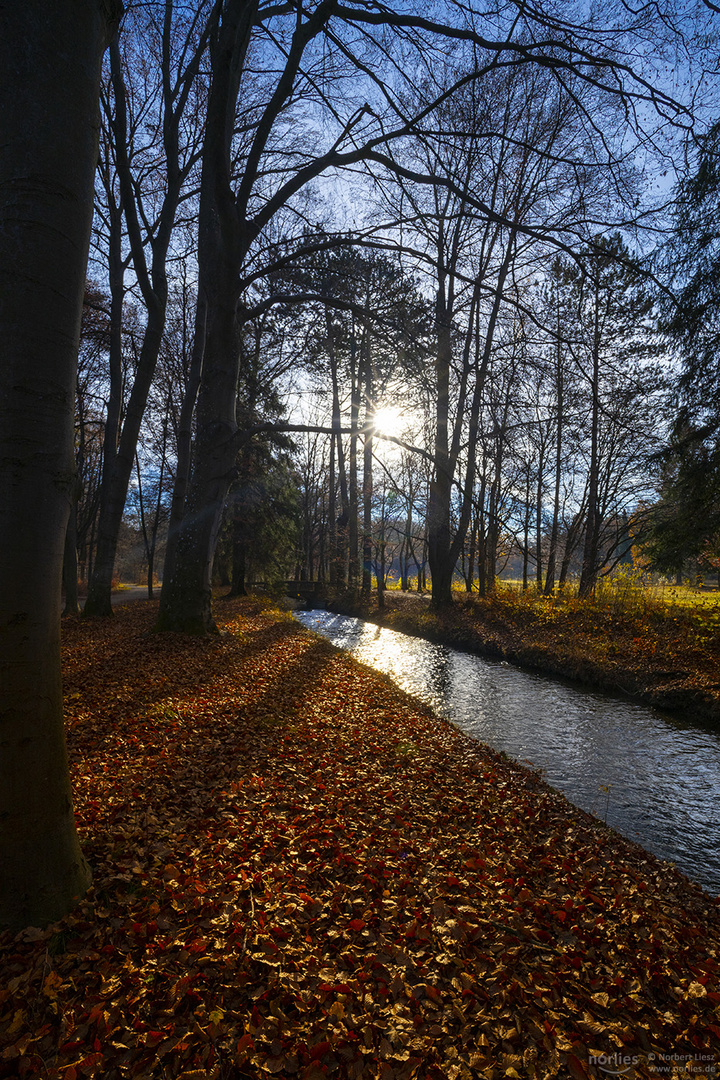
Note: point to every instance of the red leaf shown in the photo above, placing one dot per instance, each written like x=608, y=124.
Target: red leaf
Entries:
x=576, y=1067
x=319, y=1049
x=245, y=1044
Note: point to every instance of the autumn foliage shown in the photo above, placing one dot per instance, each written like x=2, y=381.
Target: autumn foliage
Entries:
x=299, y=871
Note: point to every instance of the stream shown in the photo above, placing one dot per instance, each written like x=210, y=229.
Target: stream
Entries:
x=653, y=777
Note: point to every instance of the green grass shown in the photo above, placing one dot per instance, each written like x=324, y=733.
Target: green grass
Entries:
x=623, y=599
x=622, y=593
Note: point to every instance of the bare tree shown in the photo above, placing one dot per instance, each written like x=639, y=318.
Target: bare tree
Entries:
x=502, y=178
x=165, y=95
x=257, y=166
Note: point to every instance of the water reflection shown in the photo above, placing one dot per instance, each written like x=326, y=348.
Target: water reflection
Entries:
x=651, y=776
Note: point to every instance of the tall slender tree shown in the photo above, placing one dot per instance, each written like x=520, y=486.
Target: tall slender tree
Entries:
x=612, y=305
x=50, y=56
x=169, y=108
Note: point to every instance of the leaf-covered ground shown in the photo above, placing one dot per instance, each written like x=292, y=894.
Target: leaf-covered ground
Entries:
x=298, y=871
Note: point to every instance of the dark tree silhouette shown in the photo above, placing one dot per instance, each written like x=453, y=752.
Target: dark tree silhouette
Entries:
x=50, y=59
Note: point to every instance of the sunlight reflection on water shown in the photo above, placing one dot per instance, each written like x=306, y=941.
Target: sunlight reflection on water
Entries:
x=663, y=773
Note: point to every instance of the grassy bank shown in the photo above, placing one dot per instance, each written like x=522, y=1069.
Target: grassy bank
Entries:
x=300, y=872
x=656, y=648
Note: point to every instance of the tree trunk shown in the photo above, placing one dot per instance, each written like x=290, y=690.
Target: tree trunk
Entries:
x=482, y=531
x=472, y=552
x=407, y=544
x=100, y=577
x=239, y=557
x=185, y=600
x=381, y=552
x=538, y=513
x=571, y=542
x=552, y=553
x=493, y=532
x=184, y=438
x=339, y=552
x=335, y=567
x=70, y=559
x=222, y=569
x=367, y=488
x=152, y=546
x=116, y=481
x=322, y=539
x=332, y=516
x=588, y=577
x=441, y=570
x=353, y=567
x=50, y=58
x=526, y=530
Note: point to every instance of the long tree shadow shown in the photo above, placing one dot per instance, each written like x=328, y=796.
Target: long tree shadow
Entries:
x=200, y=711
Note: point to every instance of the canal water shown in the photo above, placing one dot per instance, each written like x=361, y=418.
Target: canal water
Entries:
x=653, y=777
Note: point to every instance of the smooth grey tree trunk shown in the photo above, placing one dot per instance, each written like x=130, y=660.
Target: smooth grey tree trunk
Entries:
x=239, y=558
x=185, y=600
x=100, y=576
x=338, y=522
x=539, y=490
x=50, y=61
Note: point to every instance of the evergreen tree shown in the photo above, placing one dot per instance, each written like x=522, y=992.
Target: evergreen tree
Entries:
x=694, y=255
x=684, y=525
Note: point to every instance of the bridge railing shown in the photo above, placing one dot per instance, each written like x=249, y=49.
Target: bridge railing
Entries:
x=293, y=587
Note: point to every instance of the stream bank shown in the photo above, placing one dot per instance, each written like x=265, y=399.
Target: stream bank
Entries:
x=300, y=871
x=665, y=661
x=652, y=776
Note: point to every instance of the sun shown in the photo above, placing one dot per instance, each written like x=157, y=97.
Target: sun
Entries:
x=389, y=420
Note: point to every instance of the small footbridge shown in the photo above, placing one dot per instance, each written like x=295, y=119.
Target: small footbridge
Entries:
x=310, y=591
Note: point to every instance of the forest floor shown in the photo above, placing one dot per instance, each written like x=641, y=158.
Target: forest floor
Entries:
x=300, y=871
x=667, y=655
